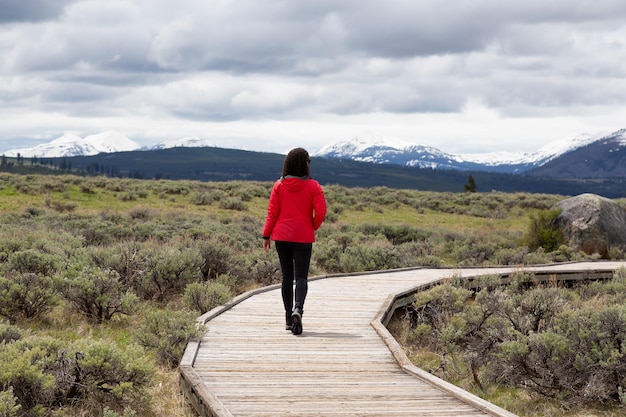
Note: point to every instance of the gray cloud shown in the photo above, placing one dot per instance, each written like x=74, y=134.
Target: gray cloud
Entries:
x=326, y=61
x=31, y=10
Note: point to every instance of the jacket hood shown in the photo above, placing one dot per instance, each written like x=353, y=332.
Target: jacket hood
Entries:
x=294, y=183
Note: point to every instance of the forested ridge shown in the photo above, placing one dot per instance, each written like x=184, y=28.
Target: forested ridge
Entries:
x=219, y=164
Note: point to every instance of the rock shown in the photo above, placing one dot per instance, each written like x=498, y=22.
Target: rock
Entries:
x=593, y=224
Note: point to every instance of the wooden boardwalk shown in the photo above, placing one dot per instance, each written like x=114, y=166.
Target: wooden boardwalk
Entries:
x=345, y=363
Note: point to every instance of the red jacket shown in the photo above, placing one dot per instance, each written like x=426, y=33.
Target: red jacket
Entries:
x=296, y=209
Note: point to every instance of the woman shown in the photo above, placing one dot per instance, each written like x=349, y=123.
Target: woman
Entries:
x=296, y=209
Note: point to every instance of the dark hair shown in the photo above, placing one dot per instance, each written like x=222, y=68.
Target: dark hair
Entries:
x=297, y=163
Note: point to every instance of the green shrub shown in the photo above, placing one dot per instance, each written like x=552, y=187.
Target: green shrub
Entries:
x=614, y=291
x=474, y=253
x=33, y=261
x=561, y=343
x=175, y=188
x=97, y=293
x=9, y=406
x=127, y=258
x=10, y=245
x=26, y=294
x=351, y=252
x=536, y=309
x=109, y=374
x=232, y=203
x=439, y=303
x=615, y=253
x=217, y=257
x=127, y=196
x=373, y=256
x=578, y=359
x=543, y=231
x=23, y=370
x=168, y=270
x=33, y=211
x=218, y=195
x=9, y=333
x=205, y=296
x=46, y=373
x=253, y=269
x=427, y=261
x=537, y=257
x=142, y=213
x=201, y=199
x=327, y=256
x=167, y=333
x=395, y=234
x=101, y=231
x=510, y=256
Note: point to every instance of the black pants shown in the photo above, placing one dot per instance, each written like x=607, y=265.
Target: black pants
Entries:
x=295, y=259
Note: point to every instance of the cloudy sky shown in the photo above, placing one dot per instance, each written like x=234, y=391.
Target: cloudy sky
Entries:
x=462, y=76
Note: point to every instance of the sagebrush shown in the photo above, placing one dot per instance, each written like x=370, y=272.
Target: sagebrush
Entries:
x=95, y=259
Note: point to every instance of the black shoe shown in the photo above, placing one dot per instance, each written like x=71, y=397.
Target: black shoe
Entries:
x=296, y=321
x=288, y=326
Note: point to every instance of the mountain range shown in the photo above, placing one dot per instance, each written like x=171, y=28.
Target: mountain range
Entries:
x=378, y=150
x=70, y=145
x=585, y=156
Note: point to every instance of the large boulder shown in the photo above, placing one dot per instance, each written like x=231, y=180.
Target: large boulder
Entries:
x=593, y=224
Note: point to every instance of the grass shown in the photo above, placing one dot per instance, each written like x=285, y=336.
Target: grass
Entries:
x=63, y=198
x=133, y=194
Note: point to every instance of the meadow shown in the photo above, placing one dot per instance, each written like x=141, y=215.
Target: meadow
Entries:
x=102, y=278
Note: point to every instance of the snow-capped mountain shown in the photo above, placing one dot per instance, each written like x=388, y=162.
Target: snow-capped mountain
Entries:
x=381, y=150
x=111, y=141
x=70, y=145
x=184, y=143
x=366, y=148
x=544, y=154
x=361, y=144
x=601, y=158
x=378, y=150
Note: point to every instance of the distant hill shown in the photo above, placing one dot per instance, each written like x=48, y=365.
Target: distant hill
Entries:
x=604, y=158
x=383, y=150
x=374, y=149
x=219, y=164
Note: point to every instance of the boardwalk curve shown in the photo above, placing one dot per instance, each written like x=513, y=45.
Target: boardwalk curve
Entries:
x=345, y=363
